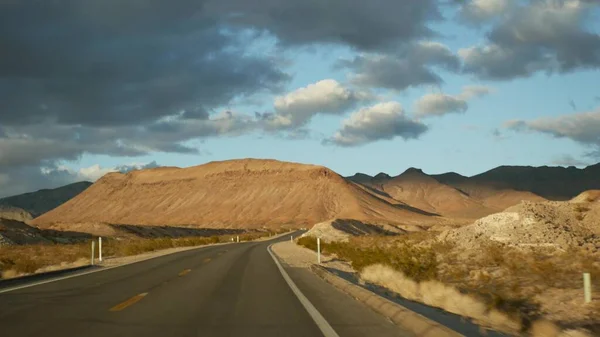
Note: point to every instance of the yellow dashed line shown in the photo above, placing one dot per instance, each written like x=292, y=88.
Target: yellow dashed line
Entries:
x=129, y=302
x=185, y=272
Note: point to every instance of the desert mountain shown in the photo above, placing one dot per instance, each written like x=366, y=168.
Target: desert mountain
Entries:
x=501, y=183
x=247, y=193
x=424, y=192
x=40, y=202
x=449, y=194
x=554, y=183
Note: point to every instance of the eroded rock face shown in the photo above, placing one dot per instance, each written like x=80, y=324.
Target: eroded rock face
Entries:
x=559, y=225
x=14, y=213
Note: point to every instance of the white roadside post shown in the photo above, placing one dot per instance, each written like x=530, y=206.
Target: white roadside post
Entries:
x=291, y=238
x=93, y=246
x=238, y=238
x=100, y=249
x=319, y=250
x=587, y=287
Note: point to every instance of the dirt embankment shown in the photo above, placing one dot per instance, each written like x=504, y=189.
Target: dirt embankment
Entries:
x=552, y=225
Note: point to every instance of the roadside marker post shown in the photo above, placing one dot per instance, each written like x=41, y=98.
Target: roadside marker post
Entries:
x=238, y=238
x=319, y=250
x=93, y=246
x=100, y=249
x=291, y=238
x=587, y=287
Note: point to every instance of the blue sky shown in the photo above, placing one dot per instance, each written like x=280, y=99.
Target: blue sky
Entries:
x=483, y=87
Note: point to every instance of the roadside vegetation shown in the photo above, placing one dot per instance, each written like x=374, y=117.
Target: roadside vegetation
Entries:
x=28, y=259
x=514, y=290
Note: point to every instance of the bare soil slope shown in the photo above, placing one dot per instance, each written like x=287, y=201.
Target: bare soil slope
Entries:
x=246, y=193
x=450, y=194
x=424, y=192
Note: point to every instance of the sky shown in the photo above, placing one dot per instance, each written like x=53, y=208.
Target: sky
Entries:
x=91, y=87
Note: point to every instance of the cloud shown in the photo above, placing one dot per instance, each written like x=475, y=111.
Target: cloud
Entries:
x=568, y=160
x=36, y=144
x=572, y=104
x=51, y=175
x=411, y=66
x=439, y=104
x=481, y=11
x=547, y=35
x=580, y=127
x=296, y=108
x=383, y=121
x=90, y=64
x=364, y=25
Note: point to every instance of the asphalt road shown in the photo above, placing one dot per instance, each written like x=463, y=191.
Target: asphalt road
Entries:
x=225, y=290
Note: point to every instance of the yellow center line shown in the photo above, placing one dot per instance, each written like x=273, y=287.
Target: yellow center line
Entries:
x=129, y=302
x=185, y=272
x=206, y=260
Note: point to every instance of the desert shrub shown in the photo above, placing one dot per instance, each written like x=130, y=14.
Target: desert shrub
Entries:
x=581, y=208
x=308, y=242
x=27, y=259
x=415, y=262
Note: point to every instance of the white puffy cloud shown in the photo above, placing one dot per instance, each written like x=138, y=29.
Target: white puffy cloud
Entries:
x=96, y=171
x=569, y=160
x=439, y=104
x=383, y=121
x=328, y=96
x=480, y=11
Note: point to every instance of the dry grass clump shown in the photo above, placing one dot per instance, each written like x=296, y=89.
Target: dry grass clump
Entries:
x=504, y=287
x=437, y=294
x=416, y=262
x=28, y=259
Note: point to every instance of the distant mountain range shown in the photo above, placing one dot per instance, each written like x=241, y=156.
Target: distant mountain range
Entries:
x=42, y=201
x=453, y=195
x=255, y=193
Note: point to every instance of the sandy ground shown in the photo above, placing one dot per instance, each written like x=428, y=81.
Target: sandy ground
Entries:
x=296, y=256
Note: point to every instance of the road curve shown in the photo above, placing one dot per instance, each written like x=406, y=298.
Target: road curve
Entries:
x=225, y=290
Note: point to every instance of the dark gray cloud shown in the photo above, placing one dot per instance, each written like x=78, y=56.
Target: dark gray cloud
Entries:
x=439, y=104
x=17, y=180
x=365, y=25
x=550, y=36
x=476, y=12
x=114, y=63
x=569, y=160
x=383, y=121
x=410, y=66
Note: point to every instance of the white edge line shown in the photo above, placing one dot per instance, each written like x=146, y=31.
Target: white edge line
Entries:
x=323, y=325
x=117, y=266
x=105, y=268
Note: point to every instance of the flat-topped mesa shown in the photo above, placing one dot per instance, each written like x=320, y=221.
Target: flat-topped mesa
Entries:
x=247, y=193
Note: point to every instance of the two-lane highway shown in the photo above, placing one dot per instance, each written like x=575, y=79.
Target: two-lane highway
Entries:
x=224, y=290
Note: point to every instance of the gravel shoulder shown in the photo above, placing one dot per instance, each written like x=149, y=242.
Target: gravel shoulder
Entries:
x=296, y=256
